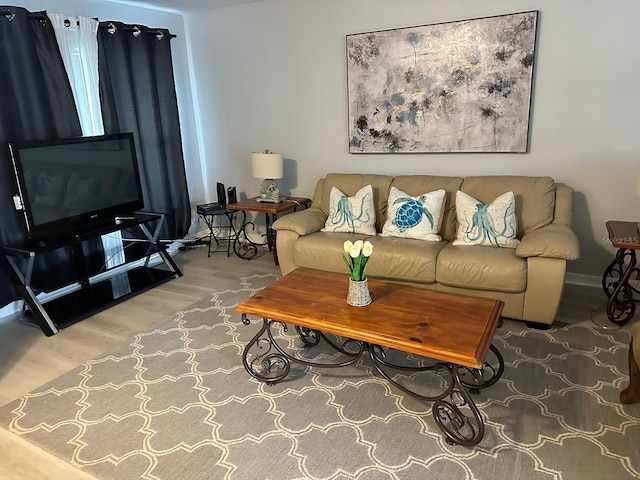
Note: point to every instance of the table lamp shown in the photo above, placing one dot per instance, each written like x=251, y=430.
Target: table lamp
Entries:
x=268, y=166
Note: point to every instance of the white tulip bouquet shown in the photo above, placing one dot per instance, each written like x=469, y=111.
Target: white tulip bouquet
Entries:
x=356, y=255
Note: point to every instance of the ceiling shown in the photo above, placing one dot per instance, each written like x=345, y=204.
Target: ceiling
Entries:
x=185, y=5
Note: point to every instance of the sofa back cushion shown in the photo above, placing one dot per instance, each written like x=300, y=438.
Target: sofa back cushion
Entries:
x=418, y=184
x=535, y=197
x=350, y=183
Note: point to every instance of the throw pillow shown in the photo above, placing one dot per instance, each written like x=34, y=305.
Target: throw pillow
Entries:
x=414, y=217
x=351, y=214
x=486, y=224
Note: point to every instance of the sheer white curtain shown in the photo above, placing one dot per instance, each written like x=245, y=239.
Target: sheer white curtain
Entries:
x=78, y=42
x=77, y=39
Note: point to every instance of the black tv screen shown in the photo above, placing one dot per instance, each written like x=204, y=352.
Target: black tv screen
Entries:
x=66, y=185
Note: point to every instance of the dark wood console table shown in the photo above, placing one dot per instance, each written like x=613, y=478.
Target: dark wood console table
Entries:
x=91, y=292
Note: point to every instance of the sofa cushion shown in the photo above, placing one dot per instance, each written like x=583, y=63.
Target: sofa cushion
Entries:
x=535, y=197
x=482, y=268
x=354, y=214
x=393, y=258
x=415, y=217
x=492, y=224
x=404, y=259
x=323, y=251
x=350, y=183
x=417, y=184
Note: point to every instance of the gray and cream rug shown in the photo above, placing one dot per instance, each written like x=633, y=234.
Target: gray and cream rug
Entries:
x=176, y=403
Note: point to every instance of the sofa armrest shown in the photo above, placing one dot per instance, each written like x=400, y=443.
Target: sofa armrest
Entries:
x=303, y=222
x=551, y=241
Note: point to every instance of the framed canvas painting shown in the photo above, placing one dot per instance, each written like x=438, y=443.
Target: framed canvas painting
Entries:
x=462, y=86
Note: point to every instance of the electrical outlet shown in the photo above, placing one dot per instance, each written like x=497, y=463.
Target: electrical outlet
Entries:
x=17, y=202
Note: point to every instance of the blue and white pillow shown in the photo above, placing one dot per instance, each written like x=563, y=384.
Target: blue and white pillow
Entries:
x=351, y=214
x=492, y=224
x=414, y=217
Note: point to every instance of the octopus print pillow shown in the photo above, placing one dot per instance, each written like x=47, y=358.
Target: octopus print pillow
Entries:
x=351, y=214
x=486, y=224
x=413, y=217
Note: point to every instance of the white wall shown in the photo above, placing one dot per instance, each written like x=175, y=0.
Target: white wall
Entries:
x=106, y=10
x=272, y=75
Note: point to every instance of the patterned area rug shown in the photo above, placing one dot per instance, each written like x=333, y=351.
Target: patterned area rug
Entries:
x=176, y=403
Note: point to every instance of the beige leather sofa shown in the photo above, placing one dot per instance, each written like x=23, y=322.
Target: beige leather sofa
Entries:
x=529, y=278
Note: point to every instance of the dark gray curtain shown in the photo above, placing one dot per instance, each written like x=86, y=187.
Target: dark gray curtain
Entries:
x=36, y=103
x=138, y=95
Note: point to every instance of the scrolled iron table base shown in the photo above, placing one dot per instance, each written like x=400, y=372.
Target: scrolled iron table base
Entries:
x=243, y=246
x=622, y=296
x=454, y=410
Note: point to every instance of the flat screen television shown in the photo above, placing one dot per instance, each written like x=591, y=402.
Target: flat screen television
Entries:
x=67, y=185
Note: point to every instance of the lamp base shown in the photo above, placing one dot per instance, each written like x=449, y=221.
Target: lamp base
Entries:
x=269, y=192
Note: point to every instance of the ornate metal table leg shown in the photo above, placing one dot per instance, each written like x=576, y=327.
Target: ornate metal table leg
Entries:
x=242, y=246
x=311, y=338
x=486, y=376
x=271, y=236
x=272, y=363
x=615, y=283
x=269, y=367
x=457, y=416
x=460, y=429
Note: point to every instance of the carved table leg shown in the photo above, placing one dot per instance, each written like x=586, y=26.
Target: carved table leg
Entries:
x=243, y=247
x=265, y=360
x=454, y=410
x=615, y=283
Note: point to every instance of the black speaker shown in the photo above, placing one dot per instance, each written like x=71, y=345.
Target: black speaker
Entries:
x=222, y=199
x=231, y=193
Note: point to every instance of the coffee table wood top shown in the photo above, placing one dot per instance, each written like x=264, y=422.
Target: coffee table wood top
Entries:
x=442, y=326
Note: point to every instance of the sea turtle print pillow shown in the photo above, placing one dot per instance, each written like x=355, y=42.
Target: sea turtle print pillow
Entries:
x=351, y=214
x=486, y=224
x=413, y=217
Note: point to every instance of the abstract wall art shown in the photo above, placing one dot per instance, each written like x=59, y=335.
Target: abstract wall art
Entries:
x=461, y=86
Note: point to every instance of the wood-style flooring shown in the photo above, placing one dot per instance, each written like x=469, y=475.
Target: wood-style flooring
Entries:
x=28, y=359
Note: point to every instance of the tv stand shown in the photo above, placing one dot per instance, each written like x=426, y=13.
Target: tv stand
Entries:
x=91, y=292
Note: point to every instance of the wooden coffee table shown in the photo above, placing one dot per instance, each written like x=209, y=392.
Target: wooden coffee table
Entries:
x=454, y=330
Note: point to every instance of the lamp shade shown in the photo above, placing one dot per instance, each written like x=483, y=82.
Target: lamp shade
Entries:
x=266, y=165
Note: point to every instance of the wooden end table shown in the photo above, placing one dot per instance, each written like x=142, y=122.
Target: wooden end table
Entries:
x=242, y=245
x=622, y=296
x=454, y=330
